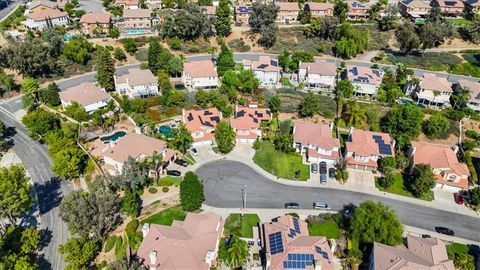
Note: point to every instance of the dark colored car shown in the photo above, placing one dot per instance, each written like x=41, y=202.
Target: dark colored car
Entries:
x=444, y=230
x=292, y=205
x=181, y=162
x=174, y=173
x=323, y=179
x=194, y=151
x=323, y=167
x=426, y=236
x=458, y=198
x=331, y=173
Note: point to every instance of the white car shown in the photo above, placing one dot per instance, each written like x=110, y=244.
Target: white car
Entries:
x=194, y=151
x=321, y=206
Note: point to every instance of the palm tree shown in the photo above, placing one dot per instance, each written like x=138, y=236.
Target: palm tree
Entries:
x=460, y=98
x=354, y=115
x=350, y=263
x=238, y=252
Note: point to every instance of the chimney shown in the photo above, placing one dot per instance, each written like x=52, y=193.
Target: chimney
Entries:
x=455, y=148
x=153, y=260
x=145, y=230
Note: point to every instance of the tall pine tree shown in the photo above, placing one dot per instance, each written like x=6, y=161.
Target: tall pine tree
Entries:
x=106, y=70
x=153, y=53
x=223, y=25
x=225, y=60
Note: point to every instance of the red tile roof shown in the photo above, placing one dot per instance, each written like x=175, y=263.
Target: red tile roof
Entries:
x=85, y=94
x=200, y=69
x=200, y=120
x=135, y=146
x=287, y=6
x=95, y=17
x=264, y=63
x=308, y=133
x=249, y=118
x=320, y=67
x=43, y=14
x=437, y=83
x=363, y=144
x=314, y=6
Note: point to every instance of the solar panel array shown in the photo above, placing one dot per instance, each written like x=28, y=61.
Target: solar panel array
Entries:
x=383, y=148
x=292, y=233
x=298, y=261
x=296, y=225
x=276, y=243
x=320, y=251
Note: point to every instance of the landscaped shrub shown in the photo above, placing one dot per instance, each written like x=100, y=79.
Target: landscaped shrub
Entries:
x=165, y=189
x=152, y=190
x=120, y=249
x=132, y=226
x=110, y=243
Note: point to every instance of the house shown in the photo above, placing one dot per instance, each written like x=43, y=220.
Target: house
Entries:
x=358, y=10
x=287, y=245
x=42, y=4
x=450, y=174
x=136, y=83
x=137, y=21
x=319, y=9
x=287, y=11
x=474, y=93
x=41, y=19
x=246, y=122
x=433, y=91
x=128, y=4
x=201, y=124
x=137, y=146
x=365, y=80
x=154, y=4
x=87, y=94
x=414, y=8
x=95, y=23
x=200, y=75
x=188, y=244
x=209, y=11
x=473, y=6
x=364, y=148
x=319, y=75
x=241, y=15
x=315, y=142
x=419, y=253
x=266, y=70
x=453, y=8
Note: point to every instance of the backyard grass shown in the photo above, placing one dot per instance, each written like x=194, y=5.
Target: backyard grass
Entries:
x=166, y=217
x=456, y=248
x=283, y=165
x=399, y=187
x=459, y=21
x=325, y=228
x=169, y=181
x=241, y=225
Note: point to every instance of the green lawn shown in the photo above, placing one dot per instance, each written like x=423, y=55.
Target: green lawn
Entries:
x=326, y=228
x=189, y=158
x=241, y=225
x=457, y=248
x=459, y=21
x=398, y=187
x=283, y=165
x=169, y=181
x=166, y=217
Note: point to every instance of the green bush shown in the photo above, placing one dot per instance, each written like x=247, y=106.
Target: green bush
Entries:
x=471, y=168
x=165, y=189
x=132, y=226
x=152, y=190
x=110, y=243
x=120, y=249
x=141, y=55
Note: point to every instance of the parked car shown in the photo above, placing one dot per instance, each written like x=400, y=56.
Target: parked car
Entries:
x=181, y=162
x=314, y=167
x=331, y=172
x=458, y=198
x=323, y=179
x=323, y=167
x=426, y=236
x=193, y=151
x=445, y=230
x=321, y=206
x=292, y=205
x=174, y=173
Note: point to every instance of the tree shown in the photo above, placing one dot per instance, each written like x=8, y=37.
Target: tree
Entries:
x=49, y=95
x=235, y=254
x=69, y=162
x=223, y=24
x=78, y=50
x=262, y=20
x=437, y=126
x=309, y=105
x=225, y=60
x=15, y=190
x=191, y=192
x=375, y=222
x=340, y=10
x=182, y=139
x=403, y=123
x=28, y=103
x=387, y=180
x=475, y=200
x=39, y=122
x=175, y=66
x=305, y=15
x=187, y=23
x=224, y=137
x=205, y=3
x=289, y=61
x=79, y=252
x=354, y=115
x=275, y=104
x=119, y=54
x=323, y=28
x=105, y=70
x=129, y=45
x=423, y=180
x=407, y=37
x=19, y=247
x=386, y=164
x=389, y=20
x=464, y=261
x=133, y=177
x=202, y=98
x=152, y=57
x=30, y=87
x=344, y=89
x=460, y=98
x=283, y=139
x=350, y=41
x=77, y=112
x=247, y=81
x=130, y=204
x=113, y=32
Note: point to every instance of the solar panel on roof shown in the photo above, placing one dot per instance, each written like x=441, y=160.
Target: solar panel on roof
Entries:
x=207, y=113
x=215, y=119
x=276, y=243
x=190, y=117
x=325, y=255
x=240, y=113
x=355, y=71
x=298, y=261
x=296, y=225
x=318, y=249
x=376, y=137
x=262, y=66
x=450, y=3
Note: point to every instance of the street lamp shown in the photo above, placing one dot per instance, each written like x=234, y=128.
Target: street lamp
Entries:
x=244, y=196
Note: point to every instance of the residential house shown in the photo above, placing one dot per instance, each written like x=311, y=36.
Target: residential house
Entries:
x=450, y=174
x=136, y=83
x=315, y=142
x=87, y=94
x=266, y=70
x=200, y=75
x=473, y=6
x=137, y=21
x=241, y=15
x=473, y=95
x=39, y=5
x=358, y=10
x=452, y=8
x=287, y=11
x=364, y=148
x=128, y=4
x=418, y=253
x=319, y=9
x=41, y=19
x=188, y=244
x=95, y=23
x=209, y=11
x=113, y=154
x=288, y=245
x=153, y=4
x=319, y=75
x=246, y=122
x=201, y=124
x=414, y=9
x=365, y=80
x=432, y=91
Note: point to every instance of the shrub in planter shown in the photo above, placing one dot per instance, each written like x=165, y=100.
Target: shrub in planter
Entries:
x=152, y=190
x=165, y=189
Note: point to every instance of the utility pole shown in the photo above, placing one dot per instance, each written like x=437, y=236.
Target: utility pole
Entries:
x=244, y=193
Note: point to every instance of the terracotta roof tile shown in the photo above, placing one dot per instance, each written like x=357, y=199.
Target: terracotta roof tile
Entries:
x=200, y=69
x=95, y=17
x=248, y=118
x=363, y=143
x=43, y=14
x=314, y=6
x=308, y=133
x=85, y=94
x=433, y=82
x=136, y=76
x=320, y=67
x=135, y=146
x=287, y=6
x=264, y=63
x=201, y=120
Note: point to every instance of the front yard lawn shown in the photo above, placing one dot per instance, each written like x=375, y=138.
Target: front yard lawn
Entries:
x=399, y=187
x=169, y=181
x=166, y=217
x=283, y=165
x=241, y=225
x=456, y=248
x=325, y=228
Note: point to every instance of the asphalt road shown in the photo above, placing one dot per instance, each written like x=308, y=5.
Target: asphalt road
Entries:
x=49, y=190
x=224, y=181
x=12, y=4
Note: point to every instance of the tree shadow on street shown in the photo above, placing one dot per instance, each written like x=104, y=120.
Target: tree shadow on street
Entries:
x=48, y=194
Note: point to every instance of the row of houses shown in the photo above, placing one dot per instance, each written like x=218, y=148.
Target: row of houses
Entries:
x=454, y=8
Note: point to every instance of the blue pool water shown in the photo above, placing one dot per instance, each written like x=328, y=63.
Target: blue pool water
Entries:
x=115, y=136
x=137, y=31
x=165, y=130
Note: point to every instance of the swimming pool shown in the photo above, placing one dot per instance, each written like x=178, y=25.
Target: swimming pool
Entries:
x=165, y=130
x=137, y=31
x=115, y=136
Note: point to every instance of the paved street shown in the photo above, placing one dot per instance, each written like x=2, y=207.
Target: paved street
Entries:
x=224, y=181
x=12, y=4
x=49, y=189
